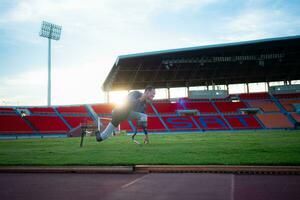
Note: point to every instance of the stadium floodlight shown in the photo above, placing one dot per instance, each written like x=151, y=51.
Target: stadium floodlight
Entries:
x=52, y=32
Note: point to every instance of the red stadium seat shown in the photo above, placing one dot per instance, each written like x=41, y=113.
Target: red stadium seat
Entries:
x=212, y=122
x=257, y=95
x=288, y=104
x=296, y=116
x=103, y=108
x=48, y=124
x=72, y=109
x=13, y=124
x=125, y=126
x=277, y=120
x=41, y=110
x=202, y=107
x=265, y=106
x=6, y=109
x=165, y=108
x=287, y=96
x=180, y=123
x=154, y=124
x=149, y=109
x=76, y=121
x=242, y=122
x=230, y=107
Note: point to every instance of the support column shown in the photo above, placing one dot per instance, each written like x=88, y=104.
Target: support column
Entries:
x=107, y=97
x=168, y=93
x=187, y=89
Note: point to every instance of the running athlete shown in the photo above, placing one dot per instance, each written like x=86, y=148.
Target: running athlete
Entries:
x=134, y=109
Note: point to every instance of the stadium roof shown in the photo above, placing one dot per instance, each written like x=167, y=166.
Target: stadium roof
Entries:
x=274, y=59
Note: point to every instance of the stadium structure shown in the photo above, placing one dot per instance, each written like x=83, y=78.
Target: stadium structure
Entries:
x=267, y=60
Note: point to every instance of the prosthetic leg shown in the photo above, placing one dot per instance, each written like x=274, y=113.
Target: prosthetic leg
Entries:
x=142, y=122
x=134, y=134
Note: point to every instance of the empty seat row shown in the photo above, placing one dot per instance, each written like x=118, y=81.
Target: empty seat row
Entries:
x=38, y=110
x=287, y=96
x=53, y=124
x=6, y=110
x=276, y=120
x=14, y=124
x=72, y=109
x=202, y=107
x=190, y=123
x=265, y=106
x=39, y=124
x=288, y=104
x=254, y=96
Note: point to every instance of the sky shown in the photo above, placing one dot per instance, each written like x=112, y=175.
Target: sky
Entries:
x=96, y=32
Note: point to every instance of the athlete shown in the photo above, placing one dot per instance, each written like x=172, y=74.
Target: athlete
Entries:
x=134, y=109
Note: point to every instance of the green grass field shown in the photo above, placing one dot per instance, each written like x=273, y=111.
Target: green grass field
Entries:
x=221, y=148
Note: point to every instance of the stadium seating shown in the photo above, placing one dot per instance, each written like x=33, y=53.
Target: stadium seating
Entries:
x=255, y=96
x=287, y=96
x=213, y=115
x=41, y=110
x=13, y=124
x=7, y=110
x=166, y=108
x=75, y=121
x=72, y=109
x=101, y=109
x=149, y=110
x=230, y=107
x=212, y=122
x=275, y=120
x=288, y=104
x=125, y=126
x=48, y=124
x=202, y=107
x=242, y=122
x=296, y=116
x=180, y=123
x=154, y=124
x=265, y=106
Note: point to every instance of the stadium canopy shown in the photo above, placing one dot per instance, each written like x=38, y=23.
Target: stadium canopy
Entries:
x=265, y=60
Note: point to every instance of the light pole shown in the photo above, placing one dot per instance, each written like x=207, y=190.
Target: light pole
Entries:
x=50, y=31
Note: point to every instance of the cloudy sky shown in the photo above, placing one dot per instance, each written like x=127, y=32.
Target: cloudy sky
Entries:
x=95, y=32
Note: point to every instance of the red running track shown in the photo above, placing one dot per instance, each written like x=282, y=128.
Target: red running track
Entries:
x=151, y=186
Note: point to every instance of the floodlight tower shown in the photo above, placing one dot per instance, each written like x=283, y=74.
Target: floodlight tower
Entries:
x=52, y=32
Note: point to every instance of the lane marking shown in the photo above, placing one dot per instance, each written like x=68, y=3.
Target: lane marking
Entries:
x=134, y=181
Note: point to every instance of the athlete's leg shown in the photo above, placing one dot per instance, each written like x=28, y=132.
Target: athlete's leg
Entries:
x=146, y=138
x=142, y=122
x=118, y=115
x=135, y=132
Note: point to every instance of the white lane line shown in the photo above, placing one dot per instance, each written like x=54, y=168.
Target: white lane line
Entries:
x=134, y=181
x=232, y=186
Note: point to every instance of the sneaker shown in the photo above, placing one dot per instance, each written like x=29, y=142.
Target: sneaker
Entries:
x=98, y=136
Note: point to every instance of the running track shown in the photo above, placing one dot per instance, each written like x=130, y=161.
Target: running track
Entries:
x=153, y=186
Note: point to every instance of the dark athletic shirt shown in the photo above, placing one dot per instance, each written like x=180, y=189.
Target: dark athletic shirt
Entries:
x=134, y=103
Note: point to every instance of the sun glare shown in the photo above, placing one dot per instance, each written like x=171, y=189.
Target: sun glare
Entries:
x=118, y=97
